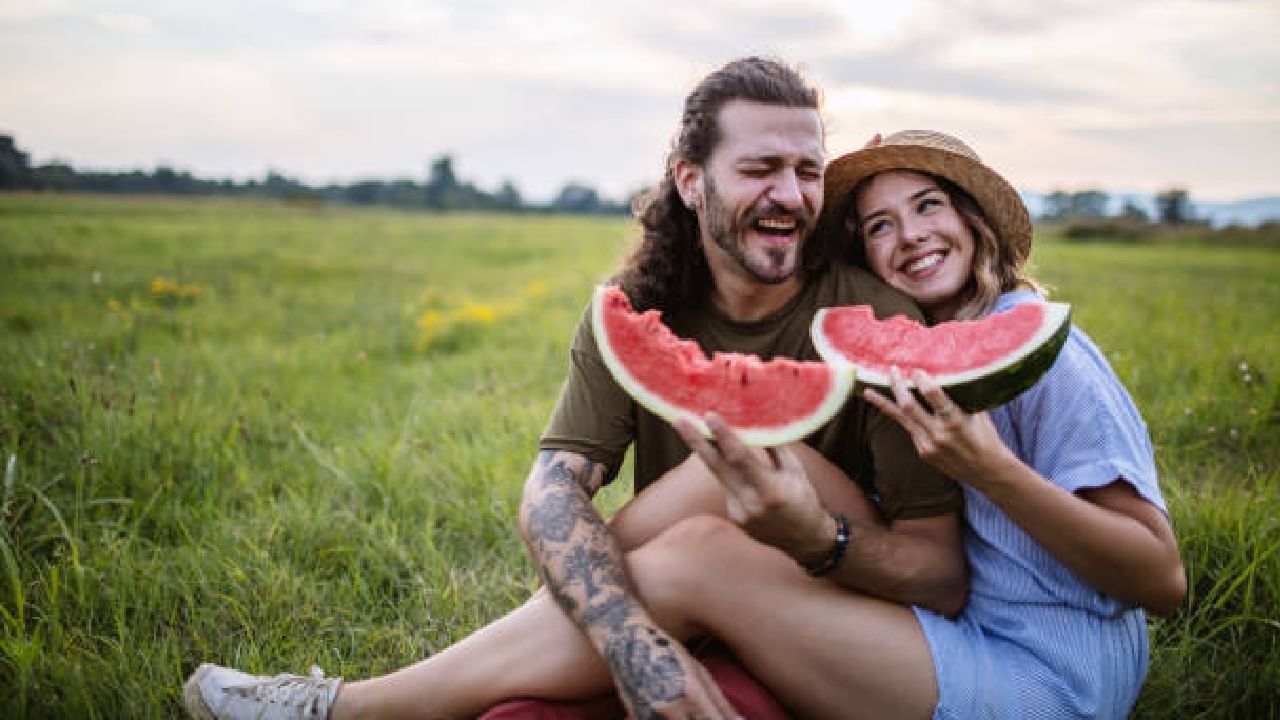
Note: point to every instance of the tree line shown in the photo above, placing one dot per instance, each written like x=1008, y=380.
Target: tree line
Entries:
x=1172, y=207
x=440, y=189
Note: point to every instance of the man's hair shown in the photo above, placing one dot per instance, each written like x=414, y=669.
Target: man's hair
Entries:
x=667, y=267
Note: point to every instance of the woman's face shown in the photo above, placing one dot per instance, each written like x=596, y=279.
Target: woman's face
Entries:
x=916, y=240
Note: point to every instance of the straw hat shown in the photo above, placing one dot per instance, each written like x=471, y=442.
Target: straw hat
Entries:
x=938, y=154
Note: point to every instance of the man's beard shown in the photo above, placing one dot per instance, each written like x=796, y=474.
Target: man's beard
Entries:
x=726, y=231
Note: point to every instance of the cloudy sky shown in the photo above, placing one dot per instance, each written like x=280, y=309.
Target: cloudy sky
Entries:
x=1126, y=96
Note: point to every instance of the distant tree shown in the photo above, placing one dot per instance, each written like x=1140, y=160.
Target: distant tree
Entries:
x=15, y=165
x=1131, y=212
x=1057, y=205
x=1089, y=204
x=577, y=198
x=442, y=185
x=1173, y=206
x=1062, y=205
x=55, y=176
x=508, y=197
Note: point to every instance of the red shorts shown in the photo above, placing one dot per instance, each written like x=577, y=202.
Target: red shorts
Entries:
x=745, y=694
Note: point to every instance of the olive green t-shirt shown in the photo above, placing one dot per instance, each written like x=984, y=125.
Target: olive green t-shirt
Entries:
x=596, y=418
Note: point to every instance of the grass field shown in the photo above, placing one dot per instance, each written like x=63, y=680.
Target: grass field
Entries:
x=272, y=436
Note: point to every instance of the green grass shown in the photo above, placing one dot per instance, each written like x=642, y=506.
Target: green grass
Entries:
x=306, y=443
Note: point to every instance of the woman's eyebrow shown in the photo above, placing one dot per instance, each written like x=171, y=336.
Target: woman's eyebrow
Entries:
x=853, y=208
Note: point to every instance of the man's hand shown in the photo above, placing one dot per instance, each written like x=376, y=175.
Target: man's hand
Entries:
x=766, y=491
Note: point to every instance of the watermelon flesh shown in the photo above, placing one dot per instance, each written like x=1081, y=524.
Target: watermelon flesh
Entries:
x=767, y=403
x=980, y=363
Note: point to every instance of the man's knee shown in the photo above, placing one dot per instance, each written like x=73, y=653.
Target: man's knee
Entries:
x=678, y=564
x=699, y=535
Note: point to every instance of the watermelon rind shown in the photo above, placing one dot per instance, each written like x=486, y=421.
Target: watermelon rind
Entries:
x=984, y=387
x=842, y=382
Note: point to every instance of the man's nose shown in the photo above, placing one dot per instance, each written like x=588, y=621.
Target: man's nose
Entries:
x=786, y=190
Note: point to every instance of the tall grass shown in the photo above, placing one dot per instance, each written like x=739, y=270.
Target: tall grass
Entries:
x=273, y=436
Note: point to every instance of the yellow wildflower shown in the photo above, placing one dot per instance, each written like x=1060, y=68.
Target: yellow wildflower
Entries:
x=481, y=313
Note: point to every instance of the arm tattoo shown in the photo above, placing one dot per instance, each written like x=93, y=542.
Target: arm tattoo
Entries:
x=583, y=570
x=643, y=664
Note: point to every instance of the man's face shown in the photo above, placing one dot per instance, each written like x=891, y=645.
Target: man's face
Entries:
x=760, y=192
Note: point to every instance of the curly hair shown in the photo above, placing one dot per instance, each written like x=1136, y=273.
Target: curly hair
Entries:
x=667, y=267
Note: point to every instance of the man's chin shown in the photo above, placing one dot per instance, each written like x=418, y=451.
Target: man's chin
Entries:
x=772, y=276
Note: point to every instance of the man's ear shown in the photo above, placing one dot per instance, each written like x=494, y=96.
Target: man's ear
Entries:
x=688, y=177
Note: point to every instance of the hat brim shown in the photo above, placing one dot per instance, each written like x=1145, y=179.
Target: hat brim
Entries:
x=1002, y=205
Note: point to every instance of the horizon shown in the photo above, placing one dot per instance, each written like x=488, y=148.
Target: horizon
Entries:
x=1070, y=95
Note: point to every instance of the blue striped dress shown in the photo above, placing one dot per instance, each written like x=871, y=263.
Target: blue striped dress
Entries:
x=1035, y=641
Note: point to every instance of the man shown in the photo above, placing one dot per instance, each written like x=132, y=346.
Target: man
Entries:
x=727, y=257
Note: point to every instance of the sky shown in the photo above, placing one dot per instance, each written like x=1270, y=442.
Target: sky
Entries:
x=1132, y=96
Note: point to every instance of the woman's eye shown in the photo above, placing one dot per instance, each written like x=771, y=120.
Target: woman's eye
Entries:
x=928, y=204
x=875, y=228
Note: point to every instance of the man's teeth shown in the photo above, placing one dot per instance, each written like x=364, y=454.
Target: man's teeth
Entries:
x=784, y=224
x=925, y=262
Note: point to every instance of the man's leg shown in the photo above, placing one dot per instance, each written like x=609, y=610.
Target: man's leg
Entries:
x=825, y=651
x=536, y=651
x=533, y=651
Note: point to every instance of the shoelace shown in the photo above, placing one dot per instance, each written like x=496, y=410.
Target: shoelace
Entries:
x=296, y=690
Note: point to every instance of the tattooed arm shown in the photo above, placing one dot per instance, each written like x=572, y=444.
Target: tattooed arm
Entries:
x=582, y=567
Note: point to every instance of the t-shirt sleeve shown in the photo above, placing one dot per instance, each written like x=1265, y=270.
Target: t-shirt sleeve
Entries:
x=908, y=487
x=593, y=416
x=1079, y=427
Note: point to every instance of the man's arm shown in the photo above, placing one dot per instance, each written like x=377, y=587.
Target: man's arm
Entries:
x=919, y=561
x=582, y=567
x=773, y=495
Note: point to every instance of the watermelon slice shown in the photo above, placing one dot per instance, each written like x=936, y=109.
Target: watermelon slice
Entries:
x=767, y=403
x=980, y=363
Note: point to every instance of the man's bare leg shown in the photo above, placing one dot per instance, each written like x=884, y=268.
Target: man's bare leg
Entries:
x=533, y=651
x=825, y=651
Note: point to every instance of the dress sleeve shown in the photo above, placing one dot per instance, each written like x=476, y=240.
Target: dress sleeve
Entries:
x=1079, y=427
x=593, y=416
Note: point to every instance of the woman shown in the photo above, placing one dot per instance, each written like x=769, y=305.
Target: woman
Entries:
x=1067, y=537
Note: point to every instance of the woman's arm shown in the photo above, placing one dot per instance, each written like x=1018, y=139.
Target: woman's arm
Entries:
x=1109, y=536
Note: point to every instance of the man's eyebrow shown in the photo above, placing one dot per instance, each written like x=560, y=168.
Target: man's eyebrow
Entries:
x=771, y=159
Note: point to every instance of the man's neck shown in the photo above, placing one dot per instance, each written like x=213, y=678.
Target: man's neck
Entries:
x=743, y=299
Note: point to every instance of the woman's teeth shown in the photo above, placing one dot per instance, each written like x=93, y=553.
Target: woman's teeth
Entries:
x=924, y=263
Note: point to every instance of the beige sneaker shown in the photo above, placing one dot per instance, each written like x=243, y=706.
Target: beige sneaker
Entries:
x=214, y=692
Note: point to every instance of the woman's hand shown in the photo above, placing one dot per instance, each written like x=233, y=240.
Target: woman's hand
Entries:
x=965, y=447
